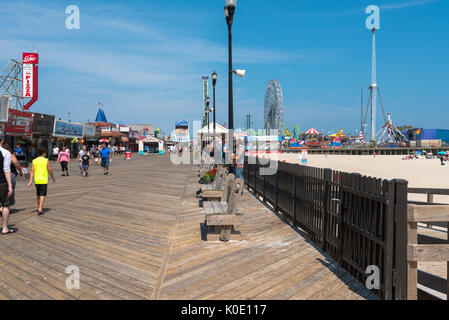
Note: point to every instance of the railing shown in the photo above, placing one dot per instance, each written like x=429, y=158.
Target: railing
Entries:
x=430, y=199
x=432, y=251
x=351, y=217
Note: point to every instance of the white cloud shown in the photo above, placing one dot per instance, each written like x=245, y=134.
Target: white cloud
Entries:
x=407, y=4
x=351, y=12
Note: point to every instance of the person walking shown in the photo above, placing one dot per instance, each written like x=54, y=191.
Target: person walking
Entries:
x=16, y=169
x=79, y=158
x=239, y=160
x=64, y=160
x=55, y=153
x=40, y=170
x=33, y=152
x=85, y=160
x=6, y=190
x=105, y=155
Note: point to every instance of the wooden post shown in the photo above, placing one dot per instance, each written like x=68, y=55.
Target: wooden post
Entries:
x=429, y=200
x=400, y=249
x=344, y=182
x=326, y=201
x=389, y=189
x=276, y=208
x=412, y=266
x=263, y=191
x=295, y=222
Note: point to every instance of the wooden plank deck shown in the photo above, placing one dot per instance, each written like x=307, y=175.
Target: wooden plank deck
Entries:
x=136, y=234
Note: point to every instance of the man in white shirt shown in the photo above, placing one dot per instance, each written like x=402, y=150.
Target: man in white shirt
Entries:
x=55, y=153
x=5, y=186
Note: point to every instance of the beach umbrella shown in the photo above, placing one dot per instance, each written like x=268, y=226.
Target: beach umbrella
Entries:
x=442, y=153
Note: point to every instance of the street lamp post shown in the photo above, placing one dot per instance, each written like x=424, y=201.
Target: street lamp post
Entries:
x=229, y=13
x=208, y=122
x=214, y=82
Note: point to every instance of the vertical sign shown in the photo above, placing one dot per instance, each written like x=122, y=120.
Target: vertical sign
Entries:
x=28, y=74
x=205, y=94
x=27, y=80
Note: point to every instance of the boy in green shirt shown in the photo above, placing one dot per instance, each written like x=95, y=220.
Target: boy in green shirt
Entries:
x=40, y=170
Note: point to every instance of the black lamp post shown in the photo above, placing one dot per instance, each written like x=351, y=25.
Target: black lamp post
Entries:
x=214, y=82
x=208, y=111
x=229, y=13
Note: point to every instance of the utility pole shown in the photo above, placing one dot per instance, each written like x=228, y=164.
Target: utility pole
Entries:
x=361, y=112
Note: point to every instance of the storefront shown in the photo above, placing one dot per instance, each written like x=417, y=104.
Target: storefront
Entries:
x=91, y=135
x=69, y=134
x=133, y=141
x=42, y=130
x=19, y=130
x=114, y=137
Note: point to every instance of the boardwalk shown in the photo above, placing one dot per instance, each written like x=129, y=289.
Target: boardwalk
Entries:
x=136, y=234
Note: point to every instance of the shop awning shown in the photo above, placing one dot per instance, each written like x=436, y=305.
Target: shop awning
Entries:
x=113, y=134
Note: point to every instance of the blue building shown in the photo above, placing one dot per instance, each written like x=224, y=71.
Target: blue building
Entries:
x=427, y=134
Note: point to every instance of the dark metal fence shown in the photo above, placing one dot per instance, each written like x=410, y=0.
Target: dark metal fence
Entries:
x=351, y=217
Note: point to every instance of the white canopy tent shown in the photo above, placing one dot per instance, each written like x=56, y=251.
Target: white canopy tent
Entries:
x=220, y=132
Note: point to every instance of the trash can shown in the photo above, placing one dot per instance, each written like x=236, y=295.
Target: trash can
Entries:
x=128, y=155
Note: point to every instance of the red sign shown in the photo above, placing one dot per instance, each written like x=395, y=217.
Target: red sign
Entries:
x=28, y=80
x=20, y=123
x=30, y=58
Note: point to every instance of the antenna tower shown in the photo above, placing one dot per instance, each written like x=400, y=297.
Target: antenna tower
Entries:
x=373, y=89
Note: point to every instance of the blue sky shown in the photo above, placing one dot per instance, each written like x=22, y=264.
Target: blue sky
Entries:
x=144, y=59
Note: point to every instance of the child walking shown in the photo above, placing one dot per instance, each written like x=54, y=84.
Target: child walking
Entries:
x=85, y=160
x=40, y=170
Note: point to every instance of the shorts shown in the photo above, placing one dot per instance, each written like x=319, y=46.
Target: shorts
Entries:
x=239, y=173
x=64, y=165
x=105, y=162
x=85, y=167
x=5, y=201
x=41, y=190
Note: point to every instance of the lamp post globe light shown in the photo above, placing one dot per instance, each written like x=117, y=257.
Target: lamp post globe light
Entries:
x=229, y=13
x=214, y=82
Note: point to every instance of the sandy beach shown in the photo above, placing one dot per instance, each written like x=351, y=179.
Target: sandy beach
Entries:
x=421, y=173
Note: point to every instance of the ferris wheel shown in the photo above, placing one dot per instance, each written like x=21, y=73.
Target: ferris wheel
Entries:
x=274, y=109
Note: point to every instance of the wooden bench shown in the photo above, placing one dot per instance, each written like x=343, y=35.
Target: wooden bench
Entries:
x=222, y=217
x=214, y=192
x=222, y=196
